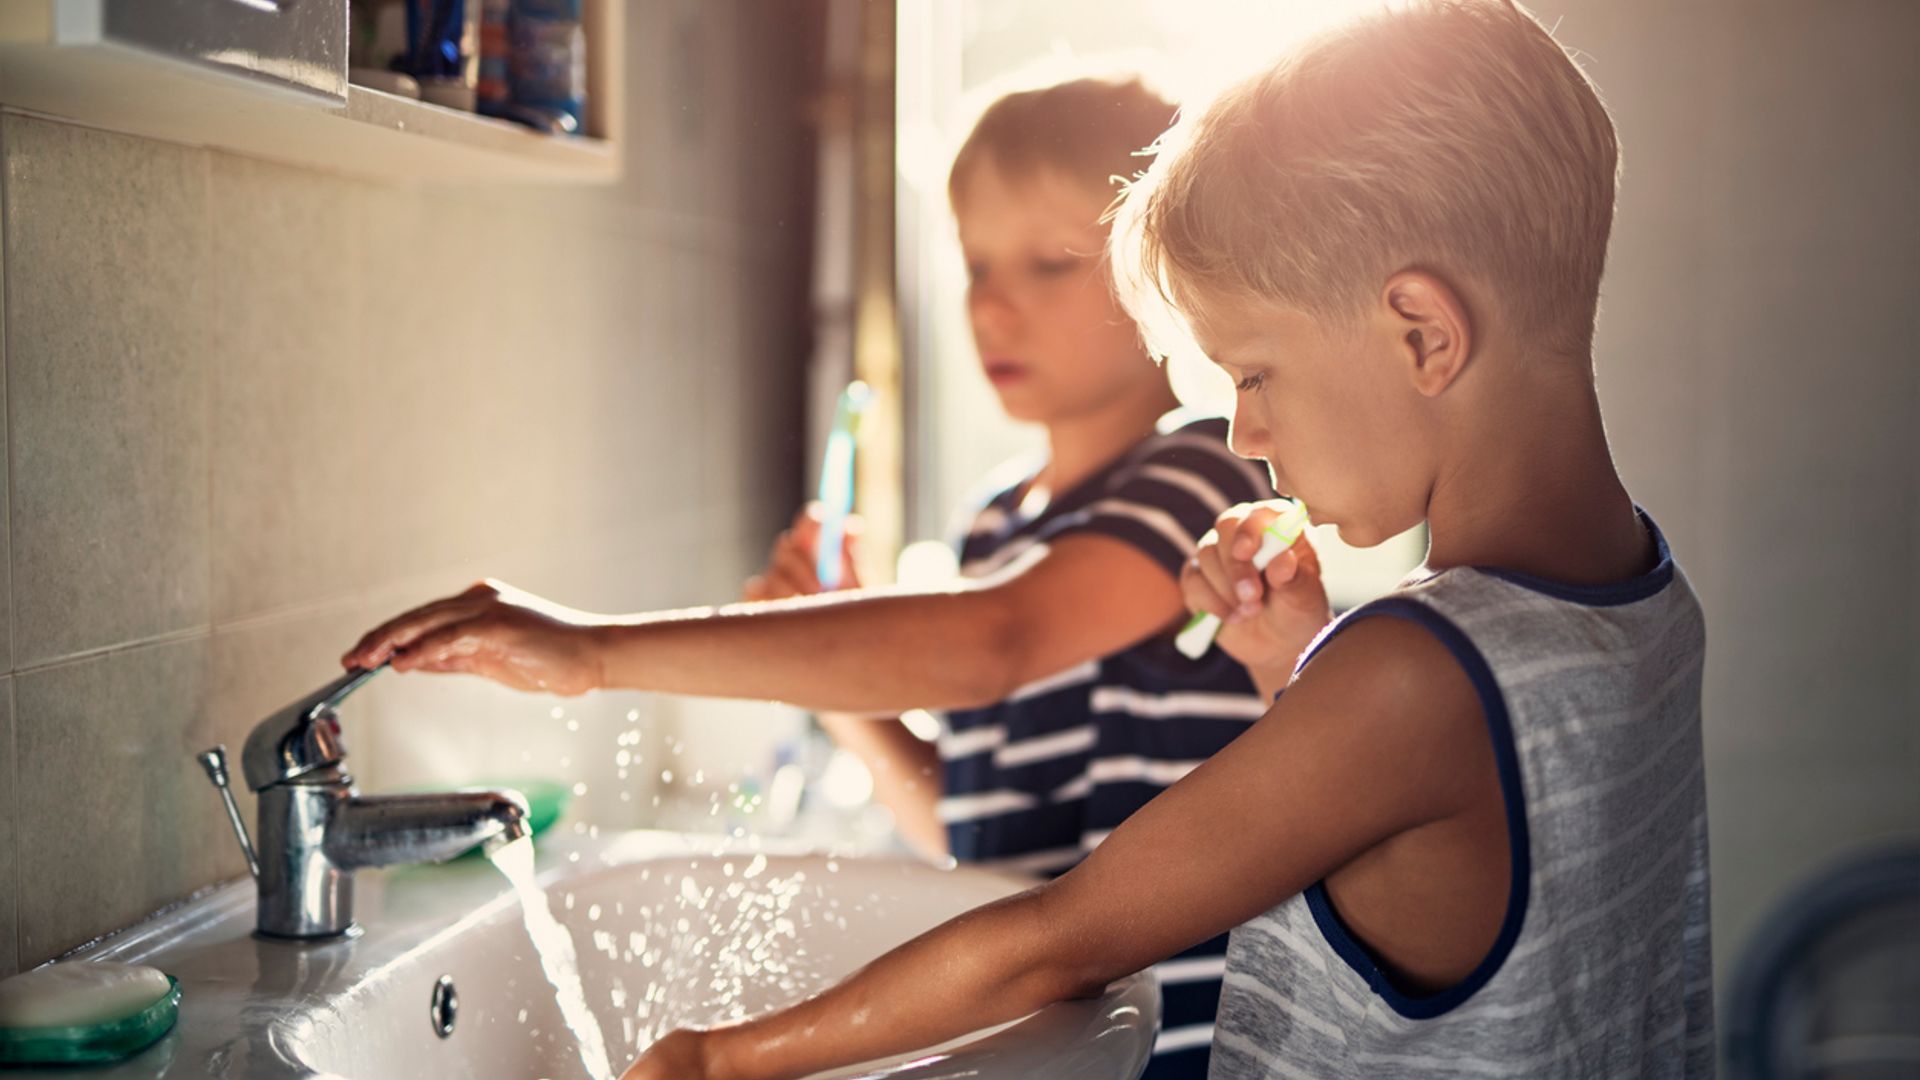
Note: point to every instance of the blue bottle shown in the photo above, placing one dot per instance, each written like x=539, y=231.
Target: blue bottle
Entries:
x=547, y=57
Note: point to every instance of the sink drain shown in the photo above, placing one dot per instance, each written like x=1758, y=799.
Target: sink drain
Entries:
x=444, y=1009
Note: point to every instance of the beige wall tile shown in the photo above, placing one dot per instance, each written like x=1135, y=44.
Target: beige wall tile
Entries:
x=429, y=273
x=115, y=817
x=9, y=813
x=6, y=560
x=289, y=383
x=107, y=341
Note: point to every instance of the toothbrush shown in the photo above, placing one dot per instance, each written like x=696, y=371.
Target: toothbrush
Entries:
x=1196, y=637
x=836, y=483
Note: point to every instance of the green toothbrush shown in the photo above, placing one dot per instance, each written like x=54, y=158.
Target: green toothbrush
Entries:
x=1196, y=637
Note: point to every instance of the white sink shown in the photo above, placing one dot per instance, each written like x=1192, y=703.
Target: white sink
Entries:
x=670, y=931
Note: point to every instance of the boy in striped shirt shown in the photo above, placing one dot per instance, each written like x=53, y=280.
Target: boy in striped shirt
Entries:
x=1032, y=782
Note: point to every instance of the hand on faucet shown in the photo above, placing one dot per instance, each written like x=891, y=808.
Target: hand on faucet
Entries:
x=494, y=630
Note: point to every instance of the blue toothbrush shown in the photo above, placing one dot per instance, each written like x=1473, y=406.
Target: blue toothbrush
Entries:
x=836, y=482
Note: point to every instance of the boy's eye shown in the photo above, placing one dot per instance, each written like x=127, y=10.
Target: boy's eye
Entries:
x=1055, y=267
x=976, y=271
x=1252, y=382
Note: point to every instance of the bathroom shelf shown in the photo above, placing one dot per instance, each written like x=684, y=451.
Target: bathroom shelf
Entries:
x=92, y=78
x=406, y=139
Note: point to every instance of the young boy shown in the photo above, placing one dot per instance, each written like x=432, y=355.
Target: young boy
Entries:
x=1068, y=707
x=1031, y=783
x=1470, y=838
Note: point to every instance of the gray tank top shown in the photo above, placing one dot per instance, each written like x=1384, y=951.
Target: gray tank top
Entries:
x=1603, y=965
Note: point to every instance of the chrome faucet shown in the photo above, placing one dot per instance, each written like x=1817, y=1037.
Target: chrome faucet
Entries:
x=315, y=830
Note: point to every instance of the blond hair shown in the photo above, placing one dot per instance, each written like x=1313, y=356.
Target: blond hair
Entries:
x=1089, y=127
x=1454, y=136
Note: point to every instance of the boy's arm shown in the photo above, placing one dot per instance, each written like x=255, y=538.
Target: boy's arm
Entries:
x=907, y=777
x=869, y=651
x=1382, y=733
x=906, y=769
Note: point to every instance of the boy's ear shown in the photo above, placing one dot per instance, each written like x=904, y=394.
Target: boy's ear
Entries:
x=1435, y=334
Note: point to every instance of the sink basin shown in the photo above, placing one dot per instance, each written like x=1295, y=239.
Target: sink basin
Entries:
x=670, y=930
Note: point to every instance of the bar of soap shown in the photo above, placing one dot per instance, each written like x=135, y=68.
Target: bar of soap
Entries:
x=78, y=994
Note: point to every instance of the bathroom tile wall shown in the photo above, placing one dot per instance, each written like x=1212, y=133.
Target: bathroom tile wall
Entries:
x=9, y=804
x=250, y=409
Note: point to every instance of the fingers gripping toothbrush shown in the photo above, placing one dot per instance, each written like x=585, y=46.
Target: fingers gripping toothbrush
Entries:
x=1196, y=637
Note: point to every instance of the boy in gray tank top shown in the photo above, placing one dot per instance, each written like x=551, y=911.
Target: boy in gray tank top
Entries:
x=1469, y=839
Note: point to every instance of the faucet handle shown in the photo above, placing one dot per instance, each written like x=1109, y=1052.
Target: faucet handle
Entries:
x=215, y=762
x=302, y=737
x=329, y=697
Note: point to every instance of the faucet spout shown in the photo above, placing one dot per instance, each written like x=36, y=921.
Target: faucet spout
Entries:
x=385, y=830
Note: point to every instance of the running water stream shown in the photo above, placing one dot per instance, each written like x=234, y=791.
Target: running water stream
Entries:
x=557, y=957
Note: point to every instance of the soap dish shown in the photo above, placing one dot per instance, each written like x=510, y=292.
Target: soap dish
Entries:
x=87, y=1044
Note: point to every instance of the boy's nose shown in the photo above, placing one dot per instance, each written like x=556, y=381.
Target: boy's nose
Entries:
x=1245, y=439
x=994, y=320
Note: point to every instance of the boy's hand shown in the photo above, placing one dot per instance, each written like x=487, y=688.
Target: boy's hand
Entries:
x=494, y=630
x=1267, y=619
x=790, y=566
x=679, y=1055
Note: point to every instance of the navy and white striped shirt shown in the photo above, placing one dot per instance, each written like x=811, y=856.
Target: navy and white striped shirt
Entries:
x=1035, y=782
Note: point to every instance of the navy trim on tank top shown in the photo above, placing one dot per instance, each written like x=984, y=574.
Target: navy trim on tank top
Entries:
x=1614, y=594
x=1500, y=728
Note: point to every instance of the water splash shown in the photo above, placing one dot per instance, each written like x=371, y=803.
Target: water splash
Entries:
x=706, y=944
x=557, y=956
